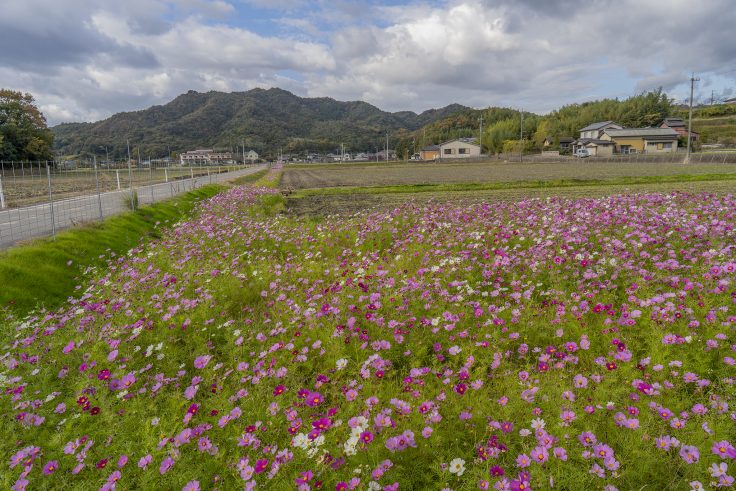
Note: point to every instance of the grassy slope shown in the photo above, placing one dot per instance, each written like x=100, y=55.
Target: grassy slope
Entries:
x=720, y=129
x=45, y=272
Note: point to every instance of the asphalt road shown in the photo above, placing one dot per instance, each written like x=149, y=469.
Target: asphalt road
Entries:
x=20, y=224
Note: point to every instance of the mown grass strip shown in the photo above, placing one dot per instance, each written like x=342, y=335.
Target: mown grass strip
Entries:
x=250, y=178
x=45, y=272
x=555, y=183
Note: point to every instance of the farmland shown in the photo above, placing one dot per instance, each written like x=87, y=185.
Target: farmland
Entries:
x=560, y=335
x=321, y=176
x=32, y=186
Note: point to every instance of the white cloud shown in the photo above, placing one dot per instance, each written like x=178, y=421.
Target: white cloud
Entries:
x=86, y=59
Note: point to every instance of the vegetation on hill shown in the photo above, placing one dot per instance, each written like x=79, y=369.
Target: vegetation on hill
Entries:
x=267, y=121
x=274, y=120
x=715, y=123
x=502, y=126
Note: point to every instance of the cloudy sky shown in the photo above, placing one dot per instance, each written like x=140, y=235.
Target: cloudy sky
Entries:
x=84, y=60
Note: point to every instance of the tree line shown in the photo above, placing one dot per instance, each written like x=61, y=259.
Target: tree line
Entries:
x=503, y=129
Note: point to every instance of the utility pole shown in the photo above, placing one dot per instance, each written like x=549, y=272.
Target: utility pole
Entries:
x=387, y=146
x=521, y=137
x=693, y=79
x=244, y=151
x=712, y=97
x=480, y=140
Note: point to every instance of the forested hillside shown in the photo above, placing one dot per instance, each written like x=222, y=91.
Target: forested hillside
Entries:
x=265, y=120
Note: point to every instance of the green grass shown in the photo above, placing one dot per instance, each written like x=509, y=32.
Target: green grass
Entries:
x=250, y=178
x=555, y=183
x=45, y=272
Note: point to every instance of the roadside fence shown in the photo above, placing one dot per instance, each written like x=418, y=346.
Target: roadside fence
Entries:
x=40, y=198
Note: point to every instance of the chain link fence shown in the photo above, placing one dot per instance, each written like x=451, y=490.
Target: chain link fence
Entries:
x=39, y=198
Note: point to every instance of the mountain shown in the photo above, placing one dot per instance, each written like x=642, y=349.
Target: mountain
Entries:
x=266, y=120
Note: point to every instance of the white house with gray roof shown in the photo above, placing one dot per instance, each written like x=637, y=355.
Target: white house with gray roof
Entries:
x=595, y=130
x=462, y=148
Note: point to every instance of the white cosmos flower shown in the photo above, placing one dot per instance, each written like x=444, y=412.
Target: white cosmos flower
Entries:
x=341, y=363
x=457, y=466
x=538, y=423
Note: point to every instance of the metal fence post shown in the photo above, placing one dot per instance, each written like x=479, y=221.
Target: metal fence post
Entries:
x=51, y=203
x=117, y=174
x=150, y=177
x=97, y=180
x=209, y=175
x=2, y=195
x=130, y=183
x=166, y=174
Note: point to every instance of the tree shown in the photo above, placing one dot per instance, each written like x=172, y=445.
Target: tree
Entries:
x=23, y=131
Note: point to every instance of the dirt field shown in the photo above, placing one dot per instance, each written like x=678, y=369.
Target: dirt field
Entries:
x=346, y=204
x=33, y=188
x=337, y=175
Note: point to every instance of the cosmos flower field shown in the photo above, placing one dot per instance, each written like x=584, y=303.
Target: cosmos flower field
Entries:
x=581, y=344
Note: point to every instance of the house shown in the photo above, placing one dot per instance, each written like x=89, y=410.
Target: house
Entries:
x=431, y=152
x=680, y=127
x=205, y=157
x=565, y=142
x=595, y=130
x=596, y=147
x=642, y=140
x=461, y=148
x=251, y=155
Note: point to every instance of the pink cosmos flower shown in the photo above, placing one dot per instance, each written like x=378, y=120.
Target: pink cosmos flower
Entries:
x=202, y=361
x=191, y=486
x=50, y=467
x=166, y=464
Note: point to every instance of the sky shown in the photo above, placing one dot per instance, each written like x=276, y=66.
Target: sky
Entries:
x=84, y=60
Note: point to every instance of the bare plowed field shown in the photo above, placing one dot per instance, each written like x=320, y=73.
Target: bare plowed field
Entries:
x=346, y=204
x=337, y=175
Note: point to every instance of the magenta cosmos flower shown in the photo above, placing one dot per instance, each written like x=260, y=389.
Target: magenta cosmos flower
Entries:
x=50, y=467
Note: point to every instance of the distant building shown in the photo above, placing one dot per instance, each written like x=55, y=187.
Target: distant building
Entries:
x=596, y=147
x=642, y=140
x=680, y=127
x=251, y=155
x=595, y=130
x=431, y=152
x=732, y=100
x=565, y=142
x=461, y=148
x=205, y=157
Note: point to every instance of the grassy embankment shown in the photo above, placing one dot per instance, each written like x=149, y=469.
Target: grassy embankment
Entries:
x=45, y=272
